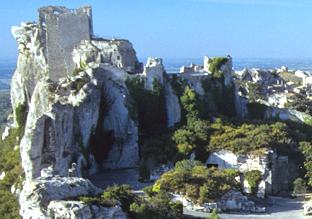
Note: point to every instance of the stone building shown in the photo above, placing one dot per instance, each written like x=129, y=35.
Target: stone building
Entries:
x=274, y=168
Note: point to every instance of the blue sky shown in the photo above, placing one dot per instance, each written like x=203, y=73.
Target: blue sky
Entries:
x=187, y=28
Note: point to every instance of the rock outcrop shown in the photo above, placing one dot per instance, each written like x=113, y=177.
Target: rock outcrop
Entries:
x=172, y=105
x=38, y=194
x=77, y=112
x=78, y=210
x=63, y=118
x=31, y=64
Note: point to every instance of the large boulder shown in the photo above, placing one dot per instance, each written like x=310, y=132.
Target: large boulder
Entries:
x=38, y=193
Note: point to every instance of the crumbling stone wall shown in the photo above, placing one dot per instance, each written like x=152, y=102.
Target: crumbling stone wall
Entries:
x=62, y=29
x=119, y=53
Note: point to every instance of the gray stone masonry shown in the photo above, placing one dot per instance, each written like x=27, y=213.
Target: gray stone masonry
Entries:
x=61, y=30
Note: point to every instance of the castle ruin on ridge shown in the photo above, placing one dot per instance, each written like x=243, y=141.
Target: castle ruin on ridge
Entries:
x=61, y=30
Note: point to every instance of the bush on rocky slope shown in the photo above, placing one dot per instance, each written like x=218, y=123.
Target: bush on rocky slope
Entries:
x=10, y=164
x=196, y=181
x=156, y=206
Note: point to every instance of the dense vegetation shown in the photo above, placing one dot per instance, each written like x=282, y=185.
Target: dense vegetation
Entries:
x=5, y=106
x=223, y=96
x=215, y=65
x=193, y=135
x=203, y=136
x=149, y=109
x=249, y=138
x=157, y=205
x=10, y=163
x=196, y=181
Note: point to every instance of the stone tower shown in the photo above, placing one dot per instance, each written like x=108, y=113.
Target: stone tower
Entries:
x=61, y=30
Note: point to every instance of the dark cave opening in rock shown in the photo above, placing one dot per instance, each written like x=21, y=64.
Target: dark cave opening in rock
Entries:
x=101, y=141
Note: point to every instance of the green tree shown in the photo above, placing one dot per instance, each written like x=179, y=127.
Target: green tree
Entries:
x=306, y=149
x=253, y=178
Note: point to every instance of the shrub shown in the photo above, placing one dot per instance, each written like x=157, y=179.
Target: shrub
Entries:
x=196, y=181
x=194, y=135
x=148, y=190
x=9, y=206
x=249, y=138
x=299, y=186
x=155, y=206
x=215, y=65
x=253, y=178
x=158, y=206
x=121, y=193
x=306, y=149
x=10, y=163
x=214, y=214
x=21, y=114
x=97, y=200
x=5, y=107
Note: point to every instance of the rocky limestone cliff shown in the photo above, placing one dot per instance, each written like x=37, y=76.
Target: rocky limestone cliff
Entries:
x=75, y=122
x=64, y=115
x=31, y=63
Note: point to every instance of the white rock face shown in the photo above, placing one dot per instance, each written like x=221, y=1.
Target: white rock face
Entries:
x=61, y=121
x=228, y=72
x=57, y=115
x=31, y=64
x=125, y=151
x=240, y=103
x=38, y=193
x=286, y=114
x=307, y=208
x=172, y=105
x=5, y=132
x=78, y=210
